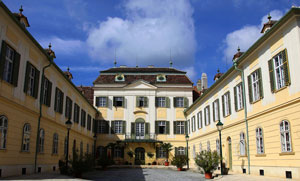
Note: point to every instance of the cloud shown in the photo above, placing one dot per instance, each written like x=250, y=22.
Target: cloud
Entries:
x=191, y=72
x=148, y=32
x=245, y=36
x=63, y=46
x=82, y=68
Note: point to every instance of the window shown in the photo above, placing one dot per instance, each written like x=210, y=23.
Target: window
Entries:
x=161, y=78
x=119, y=101
x=3, y=132
x=259, y=141
x=206, y=115
x=226, y=104
x=189, y=126
x=68, y=111
x=218, y=146
x=200, y=147
x=89, y=122
x=194, y=151
x=255, y=86
x=101, y=101
x=102, y=127
x=208, y=145
x=242, y=144
x=118, y=152
x=26, y=137
x=47, y=90
x=279, y=71
x=285, y=135
x=160, y=153
x=162, y=127
x=161, y=102
x=216, y=110
x=117, y=127
x=178, y=102
x=9, y=64
x=41, y=140
x=179, y=127
x=59, y=99
x=180, y=151
x=81, y=149
x=238, y=97
x=120, y=78
x=141, y=101
x=83, y=118
x=199, y=119
x=55, y=144
x=76, y=113
x=32, y=76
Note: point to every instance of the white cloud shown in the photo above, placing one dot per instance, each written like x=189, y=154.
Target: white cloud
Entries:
x=149, y=31
x=245, y=36
x=191, y=72
x=62, y=46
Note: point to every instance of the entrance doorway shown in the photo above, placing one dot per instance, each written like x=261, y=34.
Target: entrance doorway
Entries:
x=140, y=130
x=229, y=152
x=139, y=156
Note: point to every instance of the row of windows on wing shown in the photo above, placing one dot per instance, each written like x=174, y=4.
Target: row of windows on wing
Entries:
x=26, y=138
x=159, y=78
x=285, y=140
x=143, y=101
x=9, y=71
x=279, y=78
x=161, y=127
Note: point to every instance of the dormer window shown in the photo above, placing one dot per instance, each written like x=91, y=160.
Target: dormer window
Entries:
x=120, y=78
x=161, y=78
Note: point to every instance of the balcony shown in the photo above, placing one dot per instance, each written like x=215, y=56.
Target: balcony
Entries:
x=147, y=138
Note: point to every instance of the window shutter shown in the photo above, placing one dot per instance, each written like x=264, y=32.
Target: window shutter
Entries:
x=229, y=102
x=36, y=83
x=48, y=102
x=97, y=101
x=174, y=101
x=55, y=101
x=124, y=102
x=174, y=127
x=132, y=128
x=112, y=127
x=271, y=73
x=145, y=101
x=70, y=109
x=250, y=89
x=106, y=101
x=223, y=106
x=16, y=66
x=156, y=102
x=61, y=102
x=167, y=102
x=176, y=151
x=286, y=67
x=261, y=90
x=66, y=106
x=114, y=102
x=122, y=152
x=124, y=127
x=214, y=111
x=167, y=127
x=208, y=115
x=235, y=99
x=185, y=127
x=147, y=128
x=186, y=102
x=137, y=101
x=156, y=127
x=156, y=149
x=106, y=127
x=28, y=65
x=3, y=57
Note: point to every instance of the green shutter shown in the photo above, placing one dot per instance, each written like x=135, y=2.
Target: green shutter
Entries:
x=176, y=151
x=106, y=127
x=36, y=83
x=55, y=101
x=223, y=106
x=156, y=150
x=229, y=102
x=112, y=127
x=124, y=127
x=66, y=106
x=250, y=89
x=286, y=68
x=156, y=102
x=156, y=127
x=147, y=128
x=174, y=101
x=167, y=102
x=186, y=102
x=61, y=102
x=3, y=57
x=137, y=101
x=114, y=101
x=132, y=128
x=235, y=99
x=124, y=102
x=106, y=101
x=145, y=101
x=16, y=66
x=97, y=101
x=185, y=127
x=208, y=114
x=49, y=93
x=167, y=127
x=174, y=127
x=28, y=65
x=261, y=90
x=70, y=109
x=272, y=76
x=214, y=111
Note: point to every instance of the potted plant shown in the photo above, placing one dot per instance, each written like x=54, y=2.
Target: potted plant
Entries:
x=154, y=163
x=167, y=147
x=208, y=161
x=150, y=155
x=179, y=161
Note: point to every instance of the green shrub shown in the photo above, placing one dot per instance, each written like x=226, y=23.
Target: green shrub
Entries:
x=105, y=161
x=208, y=161
x=167, y=147
x=81, y=164
x=179, y=161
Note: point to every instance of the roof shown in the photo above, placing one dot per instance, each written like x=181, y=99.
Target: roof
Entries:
x=267, y=25
x=142, y=70
x=88, y=92
x=170, y=79
x=237, y=55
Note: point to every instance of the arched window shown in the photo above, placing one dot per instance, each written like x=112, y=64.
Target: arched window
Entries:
x=259, y=141
x=194, y=151
x=81, y=149
x=55, y=144
x=218, y=146
x=26, y=137
x=208, y=145
x=242, y=144
x=285, y=135
x=3, y=132
x=41, y=140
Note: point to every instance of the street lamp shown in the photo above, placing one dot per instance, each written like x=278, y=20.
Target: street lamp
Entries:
x=220, y=127
x=69, y=125
x=187, y=150
x=95, y=138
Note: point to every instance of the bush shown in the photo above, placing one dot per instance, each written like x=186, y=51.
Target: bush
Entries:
x=105, y=161
x=62, y=167
x=81, y=164
x=150, y=155
x=208, y=161
x=179, y=161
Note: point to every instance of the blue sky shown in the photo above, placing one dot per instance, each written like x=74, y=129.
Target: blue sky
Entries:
x=200, y=35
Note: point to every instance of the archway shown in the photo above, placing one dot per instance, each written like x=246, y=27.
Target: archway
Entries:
x=139, y=156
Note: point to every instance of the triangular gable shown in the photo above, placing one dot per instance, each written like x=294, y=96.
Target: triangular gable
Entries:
x=140, y=84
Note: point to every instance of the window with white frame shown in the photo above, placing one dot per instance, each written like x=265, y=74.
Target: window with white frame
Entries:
x=259, y=141
x=3, y=131
x=216, y=110
x=55, y=144
x=285, y=135
x=118, y=101
x=279, y=71
x=161, y=102
x=76, y=113
x=8, y=64
x=226, y=104
x=208, y=145
x=179, y=102
x=118, y=127
x=101, y=101
x=255, y=86
x=206, y=115
x=193, y=123
x=242, y=144
x=31, y=83
x=200, y=147
x=161, y=153
x=179, y=127
x=47, y=92
x=199, y=119
x=142, y=101
x=194, y=151
x=68, y=110
x=26, y=137
x=238, y=97
x=162, y=127
x=41, y=140
x=102, y=127
x=218, y=145
x=181, y=151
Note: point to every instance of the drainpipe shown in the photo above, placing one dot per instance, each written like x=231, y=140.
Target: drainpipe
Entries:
x=40, y=116
x=245, y=111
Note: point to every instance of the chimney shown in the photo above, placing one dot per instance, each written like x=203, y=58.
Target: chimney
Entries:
x=238, y=54
x=199, y=85
x=20, y=16
x=204, y=81
x=49, y=51
x=68, y=74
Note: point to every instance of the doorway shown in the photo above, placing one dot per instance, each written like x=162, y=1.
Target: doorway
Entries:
x=139, y=156
x=140, y=130
x=229, y=152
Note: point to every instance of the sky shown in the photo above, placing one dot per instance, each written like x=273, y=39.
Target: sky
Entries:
x=197, y=35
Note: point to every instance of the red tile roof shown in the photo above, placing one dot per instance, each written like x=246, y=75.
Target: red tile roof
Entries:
x=142, y=70
x=88, y=92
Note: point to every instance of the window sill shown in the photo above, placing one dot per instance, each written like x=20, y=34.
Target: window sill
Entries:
x=261, y=155
x=226, y=116
x=3, y=149
x=278, y=90
x=243, y=156
x=26, y=152
x=286, y=153
x=256, y=101
x=239, y=110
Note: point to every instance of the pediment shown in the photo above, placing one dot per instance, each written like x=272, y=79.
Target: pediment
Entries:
x=140, y=84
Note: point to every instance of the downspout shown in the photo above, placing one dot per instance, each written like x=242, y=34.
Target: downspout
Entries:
x=245, y=111
x=40, y=116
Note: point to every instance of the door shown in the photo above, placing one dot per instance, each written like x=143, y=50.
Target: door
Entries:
x=140, y=130
x=139, y=156
x=229, y=153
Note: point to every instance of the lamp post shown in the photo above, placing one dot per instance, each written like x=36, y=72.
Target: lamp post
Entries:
x=68, y=124
x=95, y=139
x=187, y=150
x=220, y=127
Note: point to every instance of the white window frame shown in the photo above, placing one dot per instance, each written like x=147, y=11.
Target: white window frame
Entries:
x=55, y=144
x=285, y=135
x=141, y=102
x=41, y=140
x=161, y=102
x=199, y=117
x=206, y=115
x=216, y=108
x=179, y=102
x=255, y=86
x=180, y=127
x=218, y=146
x=3, y=131
x=239, y=96
x=279, y=71
x=226, y=104
x=118, y=129
x=117, y=152
x=242, y=144
x=162, y=124
x=208, y=146
x=181, y=150
x=200, y=147
x=102, y=101
x=259, y=141
x=8, y=65
x=161, y=153
x=31, y=78
x=26, y=137
x=194, y=151
x=45, y=92
x=193, y=123
x=102, y=126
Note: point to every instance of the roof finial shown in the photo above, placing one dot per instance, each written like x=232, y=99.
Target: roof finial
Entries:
x=238, y=49
x=218, y=70
x=68, y=69
x=269, y=17
x=21, y=9
x=49, y=46
x=115, y=62
x=171, y=63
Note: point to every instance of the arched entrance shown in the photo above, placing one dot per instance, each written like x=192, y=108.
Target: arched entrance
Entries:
x=229, y=158
x=139, y=156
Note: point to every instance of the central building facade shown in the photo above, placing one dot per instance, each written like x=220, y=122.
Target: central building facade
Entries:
x=141, y=108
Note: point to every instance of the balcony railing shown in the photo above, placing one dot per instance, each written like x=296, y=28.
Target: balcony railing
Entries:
x=151, y=136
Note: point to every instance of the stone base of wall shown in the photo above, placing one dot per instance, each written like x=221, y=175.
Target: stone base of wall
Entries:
x=17, y=170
